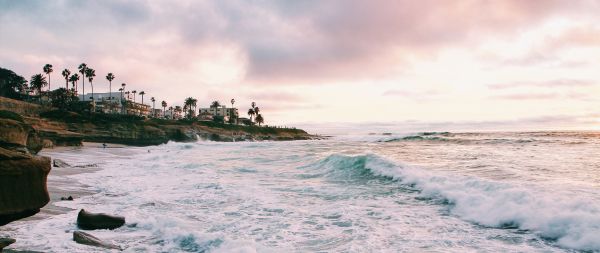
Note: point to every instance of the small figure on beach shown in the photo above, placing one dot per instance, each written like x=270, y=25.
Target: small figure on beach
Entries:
x=103, y=145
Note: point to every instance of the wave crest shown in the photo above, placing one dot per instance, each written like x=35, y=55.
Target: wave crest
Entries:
x=570, y=220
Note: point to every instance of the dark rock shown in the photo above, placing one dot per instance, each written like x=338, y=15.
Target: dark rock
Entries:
x=60, y=163
x=23, y=189
x=87, y=239
x=91, y=221
x=70, y=198
x=34, y=142
x=4, y=242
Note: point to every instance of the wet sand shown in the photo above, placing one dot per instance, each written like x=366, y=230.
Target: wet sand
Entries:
x=61, y=185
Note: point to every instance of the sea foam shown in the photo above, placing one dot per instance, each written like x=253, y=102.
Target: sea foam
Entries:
x=570, y=220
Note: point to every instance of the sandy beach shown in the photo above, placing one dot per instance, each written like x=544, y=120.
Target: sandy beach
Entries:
x=61, y=185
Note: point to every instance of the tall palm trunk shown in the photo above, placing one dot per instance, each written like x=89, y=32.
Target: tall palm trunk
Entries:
x=83, y=87
x=91, y=84
x=110, y=92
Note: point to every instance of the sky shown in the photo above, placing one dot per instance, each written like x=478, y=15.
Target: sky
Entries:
x=510, y=63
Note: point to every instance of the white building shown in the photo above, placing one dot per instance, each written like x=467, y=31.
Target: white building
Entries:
x=115, y=97
x=115, y=103
x=223, y=111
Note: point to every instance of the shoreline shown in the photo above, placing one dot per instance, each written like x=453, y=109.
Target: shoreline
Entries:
x=59, y=184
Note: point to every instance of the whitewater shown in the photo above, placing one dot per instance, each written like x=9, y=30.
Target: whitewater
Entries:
x=371, y=192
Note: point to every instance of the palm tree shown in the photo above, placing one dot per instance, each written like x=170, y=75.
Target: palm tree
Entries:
x=90, y=73
x=110, y=77
x=259, y=119
x=232, y=118
x=164, y=105
x=171, y=109
x=188, y=105
x=256, y=111
x=215, y=104
x=38, y=82
x=142, y=93
x=250, y=113
x=66, y=73
x=194, y=102
x=82, y=69
x=134, y=92
x=122, y=102
x=48, y=69
x=74, y=79
x=178, y=110
x=153, y=100
x=253, y=105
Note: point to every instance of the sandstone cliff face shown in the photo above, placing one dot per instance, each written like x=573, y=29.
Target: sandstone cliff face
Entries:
x=23, y=175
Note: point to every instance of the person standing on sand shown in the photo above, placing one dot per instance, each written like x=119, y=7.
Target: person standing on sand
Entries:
x=103, y=145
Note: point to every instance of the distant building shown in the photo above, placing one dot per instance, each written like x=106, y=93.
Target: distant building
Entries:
x=170, y=114
x=115, y=97
x=158, y=113
x=132, y=108
x=115, y=103
x=210, y=113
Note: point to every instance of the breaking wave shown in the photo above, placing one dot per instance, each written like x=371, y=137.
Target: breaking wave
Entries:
x=567, y=219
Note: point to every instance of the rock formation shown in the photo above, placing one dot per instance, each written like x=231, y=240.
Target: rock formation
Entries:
x=87, y=239
x=23, y=175
x=91, y=221
x=4, y=242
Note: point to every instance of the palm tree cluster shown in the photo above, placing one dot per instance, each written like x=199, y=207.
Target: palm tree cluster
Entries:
x=255, y=111
x=84, y=72
x=189, y=106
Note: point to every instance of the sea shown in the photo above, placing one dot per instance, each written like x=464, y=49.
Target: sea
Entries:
x=352, y=192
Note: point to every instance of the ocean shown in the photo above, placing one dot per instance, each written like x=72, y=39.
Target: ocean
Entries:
x=371, y=192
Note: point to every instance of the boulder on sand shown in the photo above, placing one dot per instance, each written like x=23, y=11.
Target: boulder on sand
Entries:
x=91, y=221
x=60, y=163
x=4, y=242
x=87, y=239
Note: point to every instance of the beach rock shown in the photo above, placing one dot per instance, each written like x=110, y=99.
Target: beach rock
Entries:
x=12, y=133
x=91, y=221
x=23, y=189
x=4, y=242
x=87, y=239
x=70, y=198
x=60, y=163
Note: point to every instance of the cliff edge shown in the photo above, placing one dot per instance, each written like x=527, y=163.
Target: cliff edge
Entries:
x=23, y=174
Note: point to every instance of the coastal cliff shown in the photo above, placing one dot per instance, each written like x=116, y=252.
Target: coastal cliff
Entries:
x=23, y=175
x=62, y=128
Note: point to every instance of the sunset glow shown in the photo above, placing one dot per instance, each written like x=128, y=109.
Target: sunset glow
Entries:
x=528, y=62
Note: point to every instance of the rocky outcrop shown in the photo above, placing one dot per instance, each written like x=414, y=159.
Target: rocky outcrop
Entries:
x=63, y=128
x=87, y=239
x=23, y=175
x=15, y=135
x=91, y=221
x=4, y=242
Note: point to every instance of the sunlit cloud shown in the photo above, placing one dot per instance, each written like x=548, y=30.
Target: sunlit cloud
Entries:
x=325, y=60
